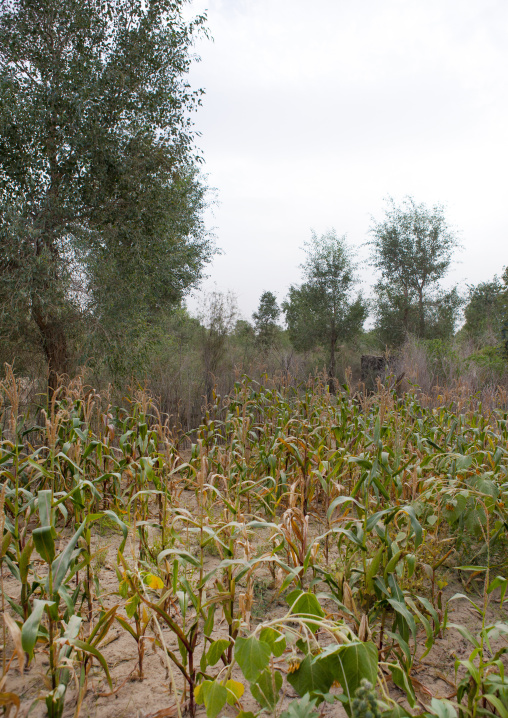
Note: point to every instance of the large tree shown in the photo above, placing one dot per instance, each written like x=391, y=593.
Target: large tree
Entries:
x=412, y=248
x=100, y=199
x=324, y=309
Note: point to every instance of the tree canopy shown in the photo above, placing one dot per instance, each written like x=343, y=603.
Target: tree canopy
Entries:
x=324, y=309
x=412, y=248
x=100, y=197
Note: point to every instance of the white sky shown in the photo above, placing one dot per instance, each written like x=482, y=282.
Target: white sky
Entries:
x=316, y=111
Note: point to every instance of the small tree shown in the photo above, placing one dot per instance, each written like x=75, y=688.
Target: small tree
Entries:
x=265, y=319
x=218, y=314
x=412, y=248
x=324, y=310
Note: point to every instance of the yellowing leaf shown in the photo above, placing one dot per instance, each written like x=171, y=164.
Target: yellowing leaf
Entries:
x=235, y=691
x=154, y=581
x=145, y=615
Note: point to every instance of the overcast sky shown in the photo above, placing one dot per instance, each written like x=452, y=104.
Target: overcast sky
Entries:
x=316, y=111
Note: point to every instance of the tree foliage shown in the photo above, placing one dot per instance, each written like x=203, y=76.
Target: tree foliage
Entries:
x=486, y=310
x=101, y=202
x=265, y=319
x=412, y=248
x=324, y=309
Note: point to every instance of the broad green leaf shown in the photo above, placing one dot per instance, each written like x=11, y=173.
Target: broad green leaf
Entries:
x=213, y=695
x=465, y=633
x=131, y=605
x=252, y=656
x=24, y=562
x=350, y=663
x=499, y=581
x=401, y=609
x=216, y=650
x=275, y=639
x=266, y=690
x=311, y=676
x=305, y=603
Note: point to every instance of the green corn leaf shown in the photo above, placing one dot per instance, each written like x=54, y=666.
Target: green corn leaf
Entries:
x=498, y=704
x=5, y=543
x=181, y=555
x=44, y=501
x=44, y=543
x=30, y=627
x=93, y=651
x=125, y=531
x=24, y=561
x=62, y=562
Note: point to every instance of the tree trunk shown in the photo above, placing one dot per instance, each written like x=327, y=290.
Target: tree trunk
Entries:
x=54, y=344
x=331, y=368
x=421, y=313
x=406, y=312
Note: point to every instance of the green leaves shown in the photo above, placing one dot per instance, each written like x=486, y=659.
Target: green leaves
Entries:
x=30, y=629
x=216, y=650
x=304, y=708
x=306, y=604
x=62, y=563
x=213, y=695
x=347, y=664
x=311, y=676
x=275, y=639
x=44, y=543
x=252, y=656
x=352, y=663
x=267, y=688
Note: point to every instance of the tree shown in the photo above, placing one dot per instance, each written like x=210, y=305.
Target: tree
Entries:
x=395, y=317
x=265, y=319
x=323, y=310
x=218, y=314
x=484, y=312
x=412, y=248
x=100, y=199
